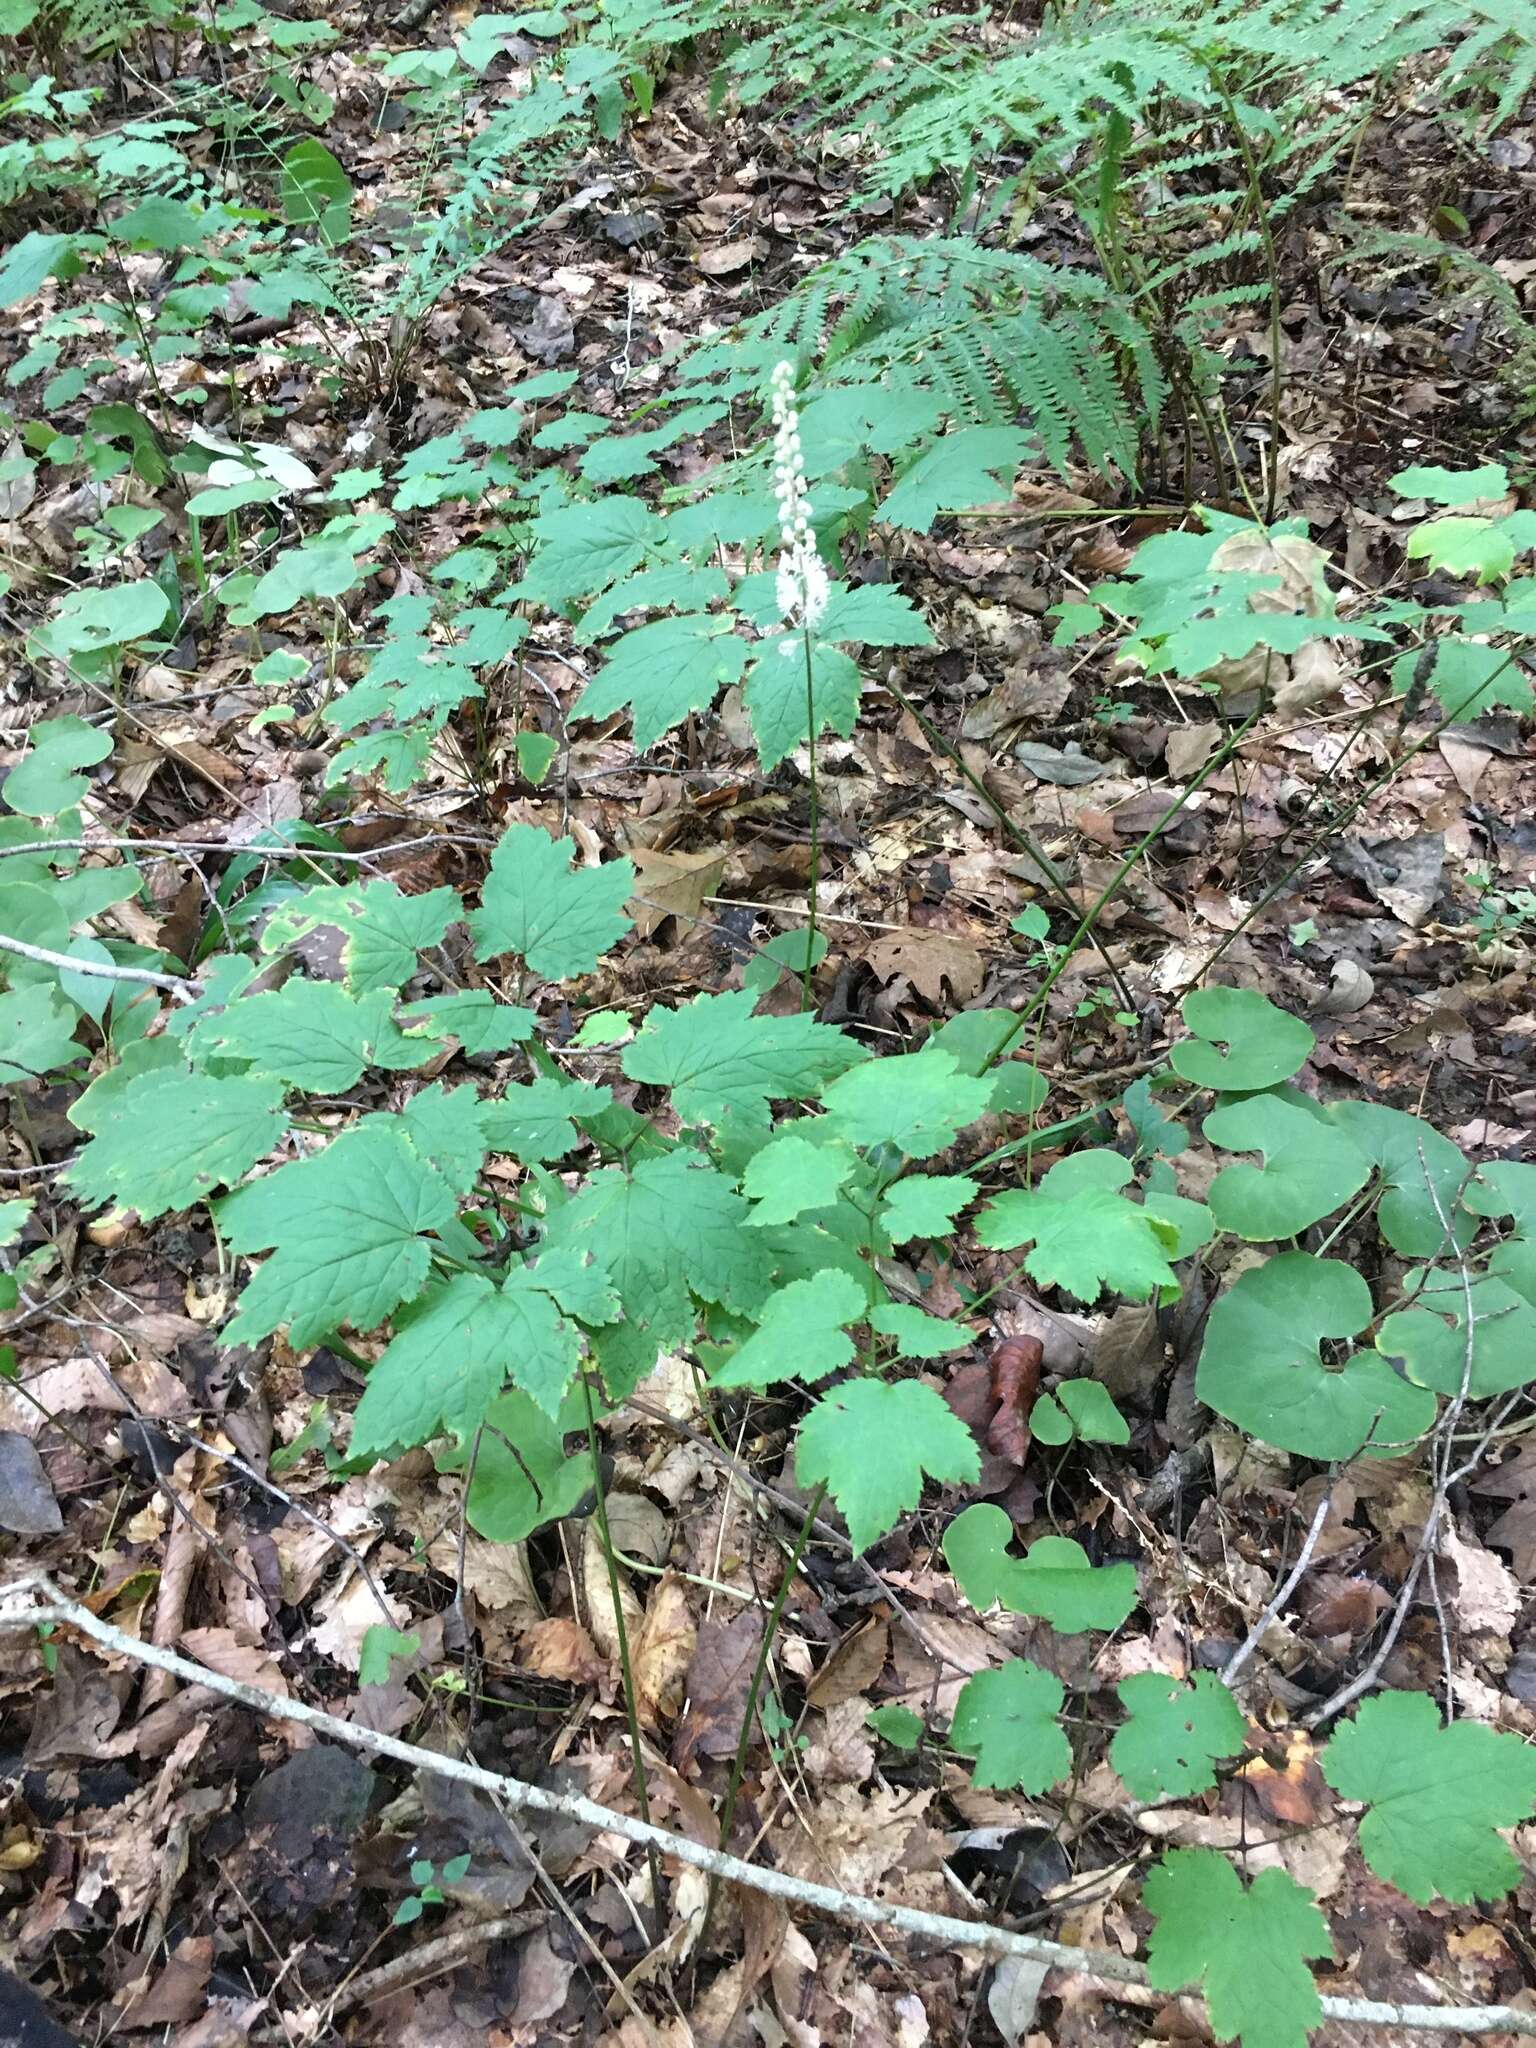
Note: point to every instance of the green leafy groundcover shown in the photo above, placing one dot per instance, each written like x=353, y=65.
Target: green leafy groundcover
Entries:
x=746, y=1208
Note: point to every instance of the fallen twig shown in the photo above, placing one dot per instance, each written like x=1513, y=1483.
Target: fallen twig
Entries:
x=34, y=1599
x=103, y=970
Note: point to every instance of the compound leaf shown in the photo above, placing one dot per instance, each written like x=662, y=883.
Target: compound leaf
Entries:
x=1434, y=1795
x=872, y=1442
x=791, y=1174
x=725, y=1065
x=1085, y=1236
x=1006, y=1720
x=918, y=1102
x=345, y=1229
x=672, y=1225
x=382, y=928
x=925, y=1205
x=532, y=1119
x=972, y=467
x=170, y=1137
x=1177, y=1729
x=663, y=671
x=560, y=919
x=784, y=708
x=800, y=1332
x=1246, y=1949
x=313, y=1035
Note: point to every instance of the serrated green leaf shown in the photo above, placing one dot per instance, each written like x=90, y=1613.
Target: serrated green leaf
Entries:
x=918, y=1102
x=450, y=1360
x=1177, y=1730
x=874, y=614
x=671, y=1229
x=443, y=1126
x=790, y=1175
x=1246, y=1949
x=472, y=1016
x=580, y=549
x=37, y=1033
x=1055, y=1580
x=1310, y=1169
x=872, y=1441
x=313, y=1035
x=1435, y=1796
x=663, y=671
x=800, y=1333
x=1463, y=547
x=172, y=1136
x=1006, y=1720
x=29, y=263
x=925, y=1205
x=532, y=1119
x=972, y=467
x=1085, y=1236
x=522, y=1478
x=917, y=1334
x=559, y=918
x=723, y=1064
x=1266, y=1045
x=382, y=929
x=346, y=1231
x=784, y=715
x=1262, y=1368
x=45, y=781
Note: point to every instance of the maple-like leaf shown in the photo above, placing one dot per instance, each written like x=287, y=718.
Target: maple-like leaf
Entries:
x=872, y=1442
x=1246, y=1948
x=559, y=918
x=722, y=1063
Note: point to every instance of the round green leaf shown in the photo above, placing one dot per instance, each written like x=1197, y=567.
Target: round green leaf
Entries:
x=44, y=781
x=89, y=620
x=1055, y=1580
x=1262, y=1367
x=1309, y=1168
x=1266, y=1045
x=1423, y=1173
x=1430, y=1337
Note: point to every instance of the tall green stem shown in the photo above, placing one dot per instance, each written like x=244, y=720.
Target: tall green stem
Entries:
x=815, y=877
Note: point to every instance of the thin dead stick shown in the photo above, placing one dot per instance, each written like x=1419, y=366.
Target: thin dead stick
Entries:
x=430, y=1959
x=1250, y=1642
x=103, y=970
x=34, y=1599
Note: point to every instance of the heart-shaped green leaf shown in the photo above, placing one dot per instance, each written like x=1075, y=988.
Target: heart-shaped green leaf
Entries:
x=1262, y=1365
x=1309, y=1168
x=1265, y=1044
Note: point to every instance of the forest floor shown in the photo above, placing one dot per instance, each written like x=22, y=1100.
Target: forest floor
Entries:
x=176, y=1870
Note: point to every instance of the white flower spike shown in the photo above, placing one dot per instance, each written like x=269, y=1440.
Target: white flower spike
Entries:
x=803, y=588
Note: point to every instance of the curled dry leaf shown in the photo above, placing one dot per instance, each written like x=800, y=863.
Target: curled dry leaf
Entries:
x=1015, y=1373
x=598, y=1595
x=853, y=1666
x=719, y=1680
x=561, y=1648
x=664, y=1652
